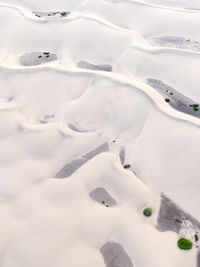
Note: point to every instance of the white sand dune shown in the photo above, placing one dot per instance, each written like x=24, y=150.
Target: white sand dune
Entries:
x=87, y=140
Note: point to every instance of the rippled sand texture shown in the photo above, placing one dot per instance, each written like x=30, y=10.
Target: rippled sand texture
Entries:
x=99, y=119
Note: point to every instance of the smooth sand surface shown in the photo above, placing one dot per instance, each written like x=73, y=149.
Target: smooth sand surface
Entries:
x=69, y=104
x=51, y=14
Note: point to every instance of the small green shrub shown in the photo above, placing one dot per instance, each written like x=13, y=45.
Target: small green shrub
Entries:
x=46, y=53
x=39, y=56
x=127, y=166
x=196, y=237
x=171, y=93
x=184, y=243
x=167, y=100
x=147, y=212
x=195, y=107
x=64, y=14
x=103, y=202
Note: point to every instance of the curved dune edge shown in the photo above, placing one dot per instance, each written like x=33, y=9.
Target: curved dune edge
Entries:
x=85, y=153
x=132, y=82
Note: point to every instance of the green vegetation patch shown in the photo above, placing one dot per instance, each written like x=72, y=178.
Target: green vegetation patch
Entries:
x=194, y=106
x=184, y=243
x=167, y=100
x=63, y=14
x=104, y=203
x=39, y=56
x=127, y=166
x=46, y=53
x=147, y=212
x=167, y=91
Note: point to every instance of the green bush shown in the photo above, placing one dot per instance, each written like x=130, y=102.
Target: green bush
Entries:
x=167, y=100
x=127, y=166
x=64, y=14
x=184, y=243
x=147, y=212
x=195, y=107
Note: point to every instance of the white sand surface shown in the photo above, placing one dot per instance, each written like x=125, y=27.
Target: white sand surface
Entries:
x=83, y=113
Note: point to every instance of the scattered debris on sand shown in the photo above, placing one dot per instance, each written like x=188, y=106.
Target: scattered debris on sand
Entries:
x=101, y=195
x=51, y=14
x=178, y=42
x=37, y=58
x=175, y=99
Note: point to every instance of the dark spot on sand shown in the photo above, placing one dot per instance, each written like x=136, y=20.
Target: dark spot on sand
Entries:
x=127, y=166
x=101, y=195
